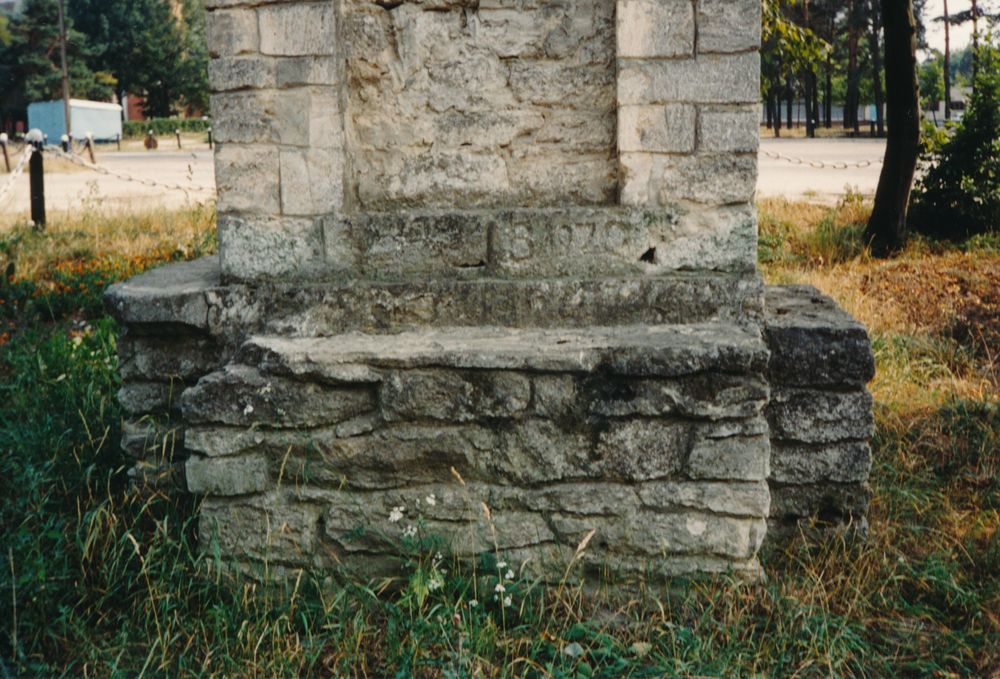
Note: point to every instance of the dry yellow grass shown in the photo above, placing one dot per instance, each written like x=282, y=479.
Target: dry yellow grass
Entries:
x=96, y=233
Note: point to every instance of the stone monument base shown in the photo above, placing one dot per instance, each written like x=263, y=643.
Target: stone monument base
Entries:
x=325, y=423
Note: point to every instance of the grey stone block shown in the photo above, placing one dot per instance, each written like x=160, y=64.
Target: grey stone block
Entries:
x=728, y=25
x=241, y=395
x=150, y=398
x=817, y=416
x=734, y=457
x=227, y=476
x=829, y=502
x=814, y=342
x=708, y=79
x=848, y=462
x=453, y=396
x=166, y=357
x=655, y=28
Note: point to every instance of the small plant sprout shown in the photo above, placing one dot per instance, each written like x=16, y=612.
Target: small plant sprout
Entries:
x=396, y=515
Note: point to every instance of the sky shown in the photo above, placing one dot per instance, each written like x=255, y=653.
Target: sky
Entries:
x=960, y=35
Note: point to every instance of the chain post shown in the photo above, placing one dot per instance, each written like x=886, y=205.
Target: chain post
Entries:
x=6, y=153
x=36, y=171
x=89, y=143
x=178, y=133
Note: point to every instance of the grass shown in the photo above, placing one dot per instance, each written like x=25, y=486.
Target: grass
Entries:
x=101, y=579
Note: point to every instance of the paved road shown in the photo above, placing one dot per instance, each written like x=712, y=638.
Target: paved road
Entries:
x=779, y=177
x=69, y=190
x=78, y=187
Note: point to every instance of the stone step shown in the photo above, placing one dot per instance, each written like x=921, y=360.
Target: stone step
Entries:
x=191, y=295
x=652, y=436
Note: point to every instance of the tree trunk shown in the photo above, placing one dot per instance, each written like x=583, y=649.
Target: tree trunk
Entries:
x=853, y=75
x=776, y=105
x=947, y=63
x=828, y=93
x=876, y=28
x=886, y=228
x=815, y=100
x=790, y=95
x=975, y=42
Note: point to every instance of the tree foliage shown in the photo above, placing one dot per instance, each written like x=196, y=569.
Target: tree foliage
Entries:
x=32, y=56
x=959, y=193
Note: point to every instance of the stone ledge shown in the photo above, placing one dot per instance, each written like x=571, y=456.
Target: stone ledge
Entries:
x=639, y=351
x=191, y=297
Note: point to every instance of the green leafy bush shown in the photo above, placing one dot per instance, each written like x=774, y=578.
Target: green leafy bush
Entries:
x=959, y=193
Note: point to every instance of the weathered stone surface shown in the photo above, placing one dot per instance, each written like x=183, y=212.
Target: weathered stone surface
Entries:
x=655, y=128
x=227, y=476
x=243, y=72
x=708, y=79
x=829, y=502
x=734, y=457
x=231, y=31
x=660, y=180
x=814, y=342
x=266, y=247
x=142, y=398
x=728, y=25
x=296, y=29
x=191, y=294
x=450, y=106
x=271, y=527
x=814, y=416
x=708, y=395
x=848, y=462
x=247, y=180
x=664, y=351
x=453, y=396
x=731, y=129
x=148, y=437
x=241, y=395
x=655, y=28
x=180, y=357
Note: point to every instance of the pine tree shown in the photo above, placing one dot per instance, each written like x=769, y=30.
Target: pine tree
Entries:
x=34, y=57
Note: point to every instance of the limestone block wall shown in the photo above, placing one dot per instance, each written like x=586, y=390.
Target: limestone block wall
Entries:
x=652, y=436
x=820, y=413
x=334, y=109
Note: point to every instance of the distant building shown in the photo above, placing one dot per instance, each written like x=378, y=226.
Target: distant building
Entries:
x=101, y=119
x=959, y=99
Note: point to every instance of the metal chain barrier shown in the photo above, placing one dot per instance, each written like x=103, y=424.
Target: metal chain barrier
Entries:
x=821, y=164
x=124, y=176
x=16, y=172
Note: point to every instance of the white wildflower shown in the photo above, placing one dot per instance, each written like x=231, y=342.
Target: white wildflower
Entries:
x=248, y=409
x=499, y=589
x=501, y=564
x=509, y=575
x=431, y=499
x=438, y=557
x=434, y=583
x=473, y=603
x=410, y=531
x=396, y=514
x=507, y=601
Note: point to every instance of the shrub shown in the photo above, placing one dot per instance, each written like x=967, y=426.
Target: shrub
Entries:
x=959, y=194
